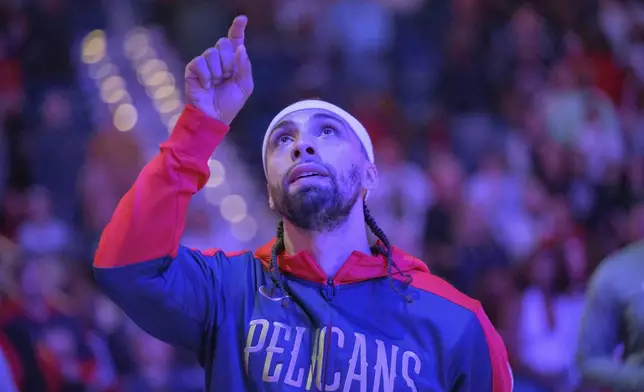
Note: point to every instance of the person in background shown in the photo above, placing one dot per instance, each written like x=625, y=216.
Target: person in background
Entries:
x=540, y=341
x=614, y=315
x=400, y=206
x=49, y=341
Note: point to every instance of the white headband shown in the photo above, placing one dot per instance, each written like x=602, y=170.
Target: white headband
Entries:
x=353, y=123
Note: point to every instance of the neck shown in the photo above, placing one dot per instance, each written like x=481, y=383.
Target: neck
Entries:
x=329, y=248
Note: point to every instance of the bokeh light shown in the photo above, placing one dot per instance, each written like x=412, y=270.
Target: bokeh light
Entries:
x=93, y=47
x=245, y=229
x=217, y=173
x=233, y=208
x=125, y=117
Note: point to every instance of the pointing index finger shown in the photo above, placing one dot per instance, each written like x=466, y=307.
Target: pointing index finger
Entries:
x=237, y=31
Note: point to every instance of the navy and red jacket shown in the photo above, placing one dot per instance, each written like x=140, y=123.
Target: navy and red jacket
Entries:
x=349, y=333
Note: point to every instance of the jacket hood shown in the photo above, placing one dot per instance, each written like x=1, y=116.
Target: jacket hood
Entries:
x=358, y=267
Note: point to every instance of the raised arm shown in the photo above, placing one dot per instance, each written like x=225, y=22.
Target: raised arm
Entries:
x=172, y=292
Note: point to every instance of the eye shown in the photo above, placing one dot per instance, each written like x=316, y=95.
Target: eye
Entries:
x=328, y=130
x=282, y=139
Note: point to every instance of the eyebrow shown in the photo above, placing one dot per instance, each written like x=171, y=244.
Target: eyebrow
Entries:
x=316, y=117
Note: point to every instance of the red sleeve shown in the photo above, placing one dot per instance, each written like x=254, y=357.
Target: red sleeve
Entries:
x=502, y=379
x=150, y=219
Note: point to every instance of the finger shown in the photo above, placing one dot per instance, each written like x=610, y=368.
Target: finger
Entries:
x=214, y=64
x=226, y=57
x=244, y=76
x=198, y=69
x=237, y=31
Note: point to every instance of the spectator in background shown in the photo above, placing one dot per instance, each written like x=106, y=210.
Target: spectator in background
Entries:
x=600, y=143
x=112, y=163
x=562, y=104
x=548, y=321
x=361, y=31
x=155, y=361
x=57, y=149
x=400, y=206
x=447, y=177
x=477, y=252
x=49, y=341
x=614, y=317
x=45, y=55
x=41, y=232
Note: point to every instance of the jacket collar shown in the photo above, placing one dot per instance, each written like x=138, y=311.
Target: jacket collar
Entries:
x=357, y=268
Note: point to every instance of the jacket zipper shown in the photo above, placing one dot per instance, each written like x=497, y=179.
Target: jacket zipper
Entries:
x=330, y=293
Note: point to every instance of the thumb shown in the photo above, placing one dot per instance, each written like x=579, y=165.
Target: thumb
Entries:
x=244, y=76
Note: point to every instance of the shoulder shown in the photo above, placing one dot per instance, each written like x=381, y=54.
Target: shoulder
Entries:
x=613, y=271
x=630, y=254
x=456, y=316
x=615, y=263
x=432, y=285
x=444, y=305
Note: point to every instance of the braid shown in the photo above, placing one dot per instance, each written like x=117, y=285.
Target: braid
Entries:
x=277, y=247
x=371, y=222
x=273, y=268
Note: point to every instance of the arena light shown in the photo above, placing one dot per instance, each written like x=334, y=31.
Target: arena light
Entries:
x=136, y=42
x=150, y=66
x=125, y=117
x=112, y=83
x=233, y=208
x=217, y=173
x=103, y=71
x=115, y=96
x=143, y=55
x=93, y=47
x=158, y=78
x=244, y=230
x=168, y=106
x=215, y=195
x=164, y=92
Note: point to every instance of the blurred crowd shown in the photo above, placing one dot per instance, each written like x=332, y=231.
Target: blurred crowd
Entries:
x=509, y=139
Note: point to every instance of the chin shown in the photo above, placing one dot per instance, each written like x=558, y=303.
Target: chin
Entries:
x=296, y=189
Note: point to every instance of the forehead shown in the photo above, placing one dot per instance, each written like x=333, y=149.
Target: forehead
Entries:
x=301, y=118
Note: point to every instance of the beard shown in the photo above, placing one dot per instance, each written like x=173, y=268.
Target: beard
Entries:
x=321, y=207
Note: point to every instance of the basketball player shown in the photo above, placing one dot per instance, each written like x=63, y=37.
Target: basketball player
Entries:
x=318, y=307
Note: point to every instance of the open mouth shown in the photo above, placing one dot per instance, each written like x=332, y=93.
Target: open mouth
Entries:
x=307, y=175
x=306, y=171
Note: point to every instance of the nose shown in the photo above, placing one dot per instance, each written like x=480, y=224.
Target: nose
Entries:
x=303, y=149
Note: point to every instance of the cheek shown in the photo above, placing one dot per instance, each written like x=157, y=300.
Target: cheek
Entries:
x=276, y=169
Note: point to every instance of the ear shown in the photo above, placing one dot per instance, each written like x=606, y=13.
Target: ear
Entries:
x=271, y=202
x=370, y=177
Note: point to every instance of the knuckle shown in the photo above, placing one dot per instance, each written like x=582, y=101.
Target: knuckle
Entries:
x=213, y=53
x=224, y=42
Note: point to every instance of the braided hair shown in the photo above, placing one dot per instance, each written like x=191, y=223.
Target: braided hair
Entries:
x=278, y=247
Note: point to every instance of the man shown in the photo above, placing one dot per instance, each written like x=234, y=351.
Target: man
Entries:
x=614, y=315
x=317, y=308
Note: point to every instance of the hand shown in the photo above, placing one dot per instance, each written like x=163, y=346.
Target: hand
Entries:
x=220, y=80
